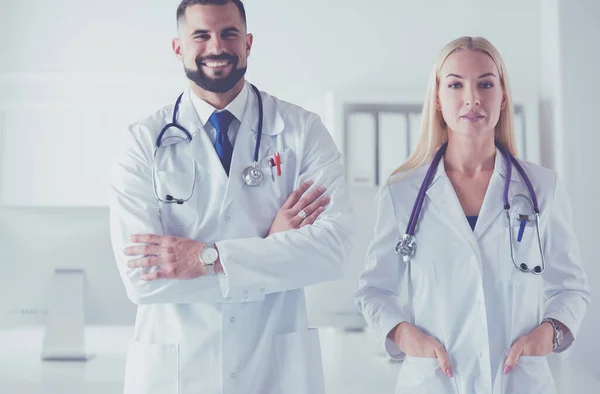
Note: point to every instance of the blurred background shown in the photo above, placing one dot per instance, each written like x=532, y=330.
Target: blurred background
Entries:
x=74, y=74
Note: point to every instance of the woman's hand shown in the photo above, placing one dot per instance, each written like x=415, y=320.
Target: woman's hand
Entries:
x=539, y=342
x=415, y=343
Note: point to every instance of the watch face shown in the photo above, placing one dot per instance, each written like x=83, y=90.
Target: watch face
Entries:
x=209, y=255
x=559, y=338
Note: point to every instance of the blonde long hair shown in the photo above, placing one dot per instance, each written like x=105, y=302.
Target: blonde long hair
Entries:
x=434, y=133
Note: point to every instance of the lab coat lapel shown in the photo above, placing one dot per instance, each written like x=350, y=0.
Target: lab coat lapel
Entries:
x=243, y=151
x=493, y=203
x=443, y=197
x=245, y=144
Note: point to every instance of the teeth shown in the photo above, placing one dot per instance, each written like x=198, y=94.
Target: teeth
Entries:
x=216, y=64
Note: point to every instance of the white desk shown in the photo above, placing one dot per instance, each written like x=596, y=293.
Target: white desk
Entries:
x=353, y=362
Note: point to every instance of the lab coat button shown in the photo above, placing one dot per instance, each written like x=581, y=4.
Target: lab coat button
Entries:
x=227, y=299
x=227, y=218
x=480, y=354
x=232, y=320
x=262, y=290
x=232, y=376
x=246, y=292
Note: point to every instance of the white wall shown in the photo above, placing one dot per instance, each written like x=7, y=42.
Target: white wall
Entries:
x=302, y=49
x=315, y=46
x=579, y=84
x=550, y=84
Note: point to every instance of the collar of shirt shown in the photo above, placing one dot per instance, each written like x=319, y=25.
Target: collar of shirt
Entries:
x=237, y=106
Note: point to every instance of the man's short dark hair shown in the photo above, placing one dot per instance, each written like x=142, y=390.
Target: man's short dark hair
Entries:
x=183, y=6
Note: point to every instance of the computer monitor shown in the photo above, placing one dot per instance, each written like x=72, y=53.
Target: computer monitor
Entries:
x=36, y=241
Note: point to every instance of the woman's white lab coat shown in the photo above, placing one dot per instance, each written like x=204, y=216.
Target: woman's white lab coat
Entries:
x=464, y=290
x=246, y=332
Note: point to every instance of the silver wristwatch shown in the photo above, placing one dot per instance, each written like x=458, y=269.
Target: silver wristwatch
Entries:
x=208, y=257
x=558, y=333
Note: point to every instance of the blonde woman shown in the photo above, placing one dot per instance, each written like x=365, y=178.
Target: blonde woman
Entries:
x=473, y=275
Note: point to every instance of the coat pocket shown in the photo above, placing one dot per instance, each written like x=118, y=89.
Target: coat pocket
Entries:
x=299, y=362
x=152, y=368
x=179, y=185
x=526, y=251
x=279, y=186
x=420, y=375
x=530, y=375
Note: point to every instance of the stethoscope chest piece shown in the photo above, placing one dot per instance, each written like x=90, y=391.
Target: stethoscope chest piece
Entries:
x=252, y=175
x=406, y=247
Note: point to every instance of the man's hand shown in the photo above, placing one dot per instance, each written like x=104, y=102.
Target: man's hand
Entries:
x=177, y=258
x=290, y=215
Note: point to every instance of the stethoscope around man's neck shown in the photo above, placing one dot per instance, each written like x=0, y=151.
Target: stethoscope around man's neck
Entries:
x=252, y=175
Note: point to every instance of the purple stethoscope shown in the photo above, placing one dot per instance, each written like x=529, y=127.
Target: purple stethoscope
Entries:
x=407, y=246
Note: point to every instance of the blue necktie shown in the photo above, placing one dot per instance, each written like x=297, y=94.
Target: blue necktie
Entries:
x=221, y=121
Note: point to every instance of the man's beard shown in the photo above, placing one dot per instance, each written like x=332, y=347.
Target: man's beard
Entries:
x=216, y=85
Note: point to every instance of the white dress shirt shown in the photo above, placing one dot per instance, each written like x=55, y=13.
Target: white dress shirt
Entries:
x=237, y=108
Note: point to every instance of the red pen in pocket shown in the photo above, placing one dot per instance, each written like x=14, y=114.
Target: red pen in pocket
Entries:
x=277, y=159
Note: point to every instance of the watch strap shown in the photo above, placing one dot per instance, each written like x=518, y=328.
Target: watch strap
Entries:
x=557, y=332
x=209, y=268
